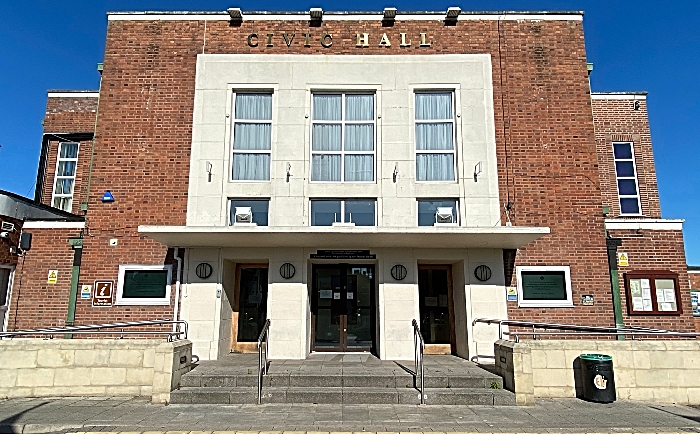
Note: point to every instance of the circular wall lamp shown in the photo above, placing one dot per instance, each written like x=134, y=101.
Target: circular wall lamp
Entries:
x=482, y=272
x=203, y=270
x=287, y=270
x=399, y=272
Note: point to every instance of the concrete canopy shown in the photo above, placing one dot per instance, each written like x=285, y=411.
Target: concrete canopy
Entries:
x=499, y=237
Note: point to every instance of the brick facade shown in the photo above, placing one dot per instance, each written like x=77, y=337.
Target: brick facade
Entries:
x=616, y=120
x=7, y=258
x=64, y=117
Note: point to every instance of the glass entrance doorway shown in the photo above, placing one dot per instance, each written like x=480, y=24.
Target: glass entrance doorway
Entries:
x=249, y=307
x=5, y=283
x=343, y=308
x=436, y=308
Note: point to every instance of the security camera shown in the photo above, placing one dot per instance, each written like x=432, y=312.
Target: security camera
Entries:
x=4, y=234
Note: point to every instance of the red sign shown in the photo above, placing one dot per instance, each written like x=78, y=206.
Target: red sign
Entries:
x=103, y=294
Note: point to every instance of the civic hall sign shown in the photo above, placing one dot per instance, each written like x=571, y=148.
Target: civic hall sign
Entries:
x=326, y=40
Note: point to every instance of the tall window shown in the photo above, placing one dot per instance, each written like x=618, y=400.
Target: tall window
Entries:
x=342, y=138
x=64, y=182
x=627, y=187
x=435, y=132
x=252, y=136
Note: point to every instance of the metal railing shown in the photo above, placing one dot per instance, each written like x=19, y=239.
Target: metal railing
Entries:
x=575, y=330
x=262, y=368
x=99, y=329
x=418, y=349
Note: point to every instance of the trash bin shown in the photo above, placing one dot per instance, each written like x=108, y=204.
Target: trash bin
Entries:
x=598, y=378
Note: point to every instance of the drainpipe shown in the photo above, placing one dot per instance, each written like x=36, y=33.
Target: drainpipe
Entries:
x=177, y=287
x=84, y=206
x=77, y=244
x=613, y=244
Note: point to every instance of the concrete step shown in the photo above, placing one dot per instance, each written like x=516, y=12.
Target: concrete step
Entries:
x=341, y=395
x=304, y=380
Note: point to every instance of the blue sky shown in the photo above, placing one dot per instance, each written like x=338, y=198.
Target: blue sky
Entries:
x=642, y=45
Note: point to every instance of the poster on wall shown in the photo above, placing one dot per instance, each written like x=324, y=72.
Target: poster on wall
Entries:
x=695, y=302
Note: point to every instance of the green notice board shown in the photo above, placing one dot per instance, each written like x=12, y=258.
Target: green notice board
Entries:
x=145, y=283
x=543, y=285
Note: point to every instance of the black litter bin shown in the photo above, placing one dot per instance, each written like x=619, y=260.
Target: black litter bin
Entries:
x=598, y=378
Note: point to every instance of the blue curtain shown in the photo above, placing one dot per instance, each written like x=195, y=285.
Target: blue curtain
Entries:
x=359, y=168
x=434, y=106
x=252, y=106
x=327, y=107
x=251, y=167
x=359, y=137
x=325, y=167
x=359, y=107
x=435, y=167
x=326, y=137
x=68, y=150
x=252, y=137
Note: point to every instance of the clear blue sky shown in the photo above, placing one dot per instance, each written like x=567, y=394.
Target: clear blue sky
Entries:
x=642, y=45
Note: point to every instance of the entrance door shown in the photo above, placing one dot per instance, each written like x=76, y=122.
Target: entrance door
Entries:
x=5, y=282
x=436, y=308
x=249, y=307
x=343, y=307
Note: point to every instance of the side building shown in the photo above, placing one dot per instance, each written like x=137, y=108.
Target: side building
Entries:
x=342, y=174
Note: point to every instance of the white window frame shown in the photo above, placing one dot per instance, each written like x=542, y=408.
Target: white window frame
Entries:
x=453, y=92
x=56, y=177
x=9, y=295
x=121, y=301
x=342, y=122
x=569, y=302
x=635, y=178
x=433, y=199
x=234, y=121
x=342, y=207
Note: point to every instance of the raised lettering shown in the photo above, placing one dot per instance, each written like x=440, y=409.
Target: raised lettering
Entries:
x=269, y=39
x=287, y=39
x=385, y=41
x=250, y=40
x=423, y=42
x=403, y=41
x=362, y=40
x=306, y=39
x=327, y=40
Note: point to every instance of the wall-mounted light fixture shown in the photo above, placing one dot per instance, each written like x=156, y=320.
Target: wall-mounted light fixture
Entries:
x=452, y=13
x=396, y=171
x=316, y=14
x=636, y=104
x=235, y=14
x=389, y=16
x=289, y=171
x=209, y=167
x=477, y=171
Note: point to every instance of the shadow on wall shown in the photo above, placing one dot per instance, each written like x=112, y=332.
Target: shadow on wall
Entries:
x=578, y=378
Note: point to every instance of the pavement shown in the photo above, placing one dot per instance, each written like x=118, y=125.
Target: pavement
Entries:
x=63, y=415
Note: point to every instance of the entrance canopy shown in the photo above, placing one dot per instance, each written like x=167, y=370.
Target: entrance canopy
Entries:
x=498, y=237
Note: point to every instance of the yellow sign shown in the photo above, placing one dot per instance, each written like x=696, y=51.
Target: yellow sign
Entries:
x=622, y=259
x=53, y=277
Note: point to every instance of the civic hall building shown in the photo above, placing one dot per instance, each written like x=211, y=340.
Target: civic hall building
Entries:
x=342, y=174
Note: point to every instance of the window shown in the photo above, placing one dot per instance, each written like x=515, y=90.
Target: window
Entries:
x=144, y=284
x=627, y=186
x=64, y=182
x=361, y=212
x=652, y=293
x=428, y=208
x=252, y=137
x=545, y=286
x=259, y=208
x=342, y=138
x=435, y=148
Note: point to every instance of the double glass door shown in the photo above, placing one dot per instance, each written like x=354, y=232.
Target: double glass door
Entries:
x=343, y=307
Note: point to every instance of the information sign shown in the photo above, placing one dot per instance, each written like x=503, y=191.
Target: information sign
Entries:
x=102, y=297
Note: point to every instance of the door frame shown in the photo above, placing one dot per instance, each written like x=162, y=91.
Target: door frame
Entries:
x=342, y=347
x=243, y=347
x=450, y=348
x=8, y=299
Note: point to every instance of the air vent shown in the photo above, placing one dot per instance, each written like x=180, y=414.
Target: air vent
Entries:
x=243, y=215
x=7, y=227
x=444, y=215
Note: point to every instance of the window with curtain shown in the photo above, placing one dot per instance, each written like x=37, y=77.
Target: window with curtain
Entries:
x=64, y=181
x=626, y=172
x=342, y=137
x=435, y=125
x=252, y=137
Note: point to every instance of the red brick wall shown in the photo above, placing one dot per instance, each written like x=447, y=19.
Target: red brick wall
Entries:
x=660, y=251
x=69, y=115
x=616, y=120
x=544, y=130
x=694, y=279
x=34, y=302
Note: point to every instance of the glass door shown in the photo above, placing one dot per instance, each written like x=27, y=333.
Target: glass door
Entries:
x=436, y=309
x=249, y=307
x=343, y=307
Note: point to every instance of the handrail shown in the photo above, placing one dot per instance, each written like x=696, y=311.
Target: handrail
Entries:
x=576, y=330
x=262, y=369
x=91, y=329
x=418, y=349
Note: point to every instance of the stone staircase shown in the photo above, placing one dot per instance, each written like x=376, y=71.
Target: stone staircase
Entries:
x=341, y=379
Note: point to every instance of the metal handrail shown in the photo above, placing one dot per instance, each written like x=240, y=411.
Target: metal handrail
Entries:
x=91, y=329
x=575, y=330
x=418, y=349
x=262, y=369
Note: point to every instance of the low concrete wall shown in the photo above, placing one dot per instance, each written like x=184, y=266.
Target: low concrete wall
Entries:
x=659, y=371
x=92, y=367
